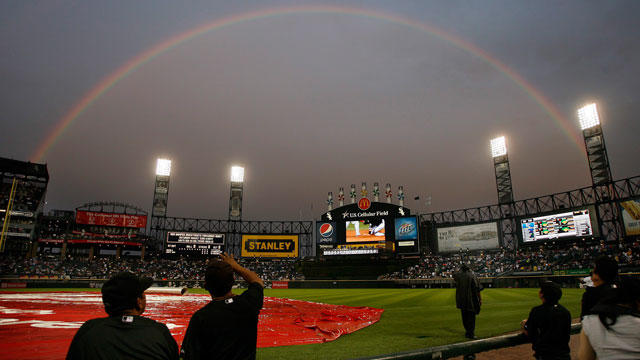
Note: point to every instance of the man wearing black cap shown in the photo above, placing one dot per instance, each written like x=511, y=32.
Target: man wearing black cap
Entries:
x=124, y=334
x=549, y=325
x=227, y=327
x=468, y=299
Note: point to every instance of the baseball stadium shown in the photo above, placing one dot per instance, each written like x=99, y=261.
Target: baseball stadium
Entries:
x=368, y=280
x=126, y=124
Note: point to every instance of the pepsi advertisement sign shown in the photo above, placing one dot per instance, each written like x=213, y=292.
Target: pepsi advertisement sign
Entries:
x=326, y=232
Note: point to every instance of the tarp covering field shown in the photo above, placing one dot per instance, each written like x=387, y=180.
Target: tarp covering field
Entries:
x=41, y=325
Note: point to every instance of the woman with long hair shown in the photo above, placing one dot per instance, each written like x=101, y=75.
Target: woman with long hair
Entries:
x=612, y=330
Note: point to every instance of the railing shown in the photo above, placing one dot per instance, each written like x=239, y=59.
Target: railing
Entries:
x=465, y=348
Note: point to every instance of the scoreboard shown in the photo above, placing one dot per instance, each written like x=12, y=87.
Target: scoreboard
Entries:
x=194, y=243
x=554, y=226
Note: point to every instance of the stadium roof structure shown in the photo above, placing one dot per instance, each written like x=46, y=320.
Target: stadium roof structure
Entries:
x=113, y=207
x=28, y=170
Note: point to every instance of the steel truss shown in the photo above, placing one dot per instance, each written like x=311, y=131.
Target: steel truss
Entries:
x=233, y=230
x=604, y=198
x=112, y=207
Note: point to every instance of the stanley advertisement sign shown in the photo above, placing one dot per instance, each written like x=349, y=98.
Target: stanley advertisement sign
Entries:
x=272, y=246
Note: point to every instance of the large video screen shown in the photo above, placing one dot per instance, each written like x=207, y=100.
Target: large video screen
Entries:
x=567, y=224
x=630, y=211
x=370, y=230
x=482, y=236
x=193, y=243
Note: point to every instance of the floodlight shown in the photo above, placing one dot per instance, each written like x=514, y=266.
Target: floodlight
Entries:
x=588, y=116
x=498, y=146
x=163, y=167
x=237, y=174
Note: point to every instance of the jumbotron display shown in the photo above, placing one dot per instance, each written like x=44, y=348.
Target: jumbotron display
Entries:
x=193, y=243
x=367, y=228
x=484, y=236
x=554, y=226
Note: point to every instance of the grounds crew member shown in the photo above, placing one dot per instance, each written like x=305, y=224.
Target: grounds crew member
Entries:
x=124, y=334
x=549, y=325
x=227, y=327
x=468, y=299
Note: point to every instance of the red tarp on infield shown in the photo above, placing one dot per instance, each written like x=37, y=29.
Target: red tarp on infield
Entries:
x=41, y=325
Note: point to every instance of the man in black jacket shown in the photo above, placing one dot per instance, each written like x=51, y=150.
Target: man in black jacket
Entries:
x=468, y=299
x=549, y=325
x=124, y=334
x=227, y=327
x=604, y=274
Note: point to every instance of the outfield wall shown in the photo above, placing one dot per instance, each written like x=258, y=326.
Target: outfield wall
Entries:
x=566, y=281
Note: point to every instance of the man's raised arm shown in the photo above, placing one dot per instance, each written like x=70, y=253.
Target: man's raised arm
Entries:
x=248, y=275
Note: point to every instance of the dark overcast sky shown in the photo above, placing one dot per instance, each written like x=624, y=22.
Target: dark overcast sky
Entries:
x=311, y=102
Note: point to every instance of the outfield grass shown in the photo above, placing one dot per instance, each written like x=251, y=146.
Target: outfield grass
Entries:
x=412, y=318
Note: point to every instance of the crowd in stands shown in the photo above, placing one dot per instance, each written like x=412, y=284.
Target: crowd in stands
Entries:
x=57, y=229
x=20, y=225
x=491, y=264
x=28, y=195
x=157, y=268
x=484, y=264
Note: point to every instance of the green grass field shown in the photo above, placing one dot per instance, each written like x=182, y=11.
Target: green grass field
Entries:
x=413, y=319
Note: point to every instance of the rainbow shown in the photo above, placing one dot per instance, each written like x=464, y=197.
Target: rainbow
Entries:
x=146, y=56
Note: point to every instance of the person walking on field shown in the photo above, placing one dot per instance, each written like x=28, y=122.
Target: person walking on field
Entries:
x=468, y=299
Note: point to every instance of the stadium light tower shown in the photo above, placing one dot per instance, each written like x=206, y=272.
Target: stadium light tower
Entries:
x=594, y=142
x=235, y=197
x=161, y=192
x=502, y=170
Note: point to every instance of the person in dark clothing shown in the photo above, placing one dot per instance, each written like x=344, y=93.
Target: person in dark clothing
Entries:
x=611, y=330
x=604, y=274
x=549, y=325
x=468, y=299
x=124, y=334
x=227, y=327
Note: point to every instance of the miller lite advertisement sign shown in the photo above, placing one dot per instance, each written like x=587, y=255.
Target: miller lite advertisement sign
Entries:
x=407, y=234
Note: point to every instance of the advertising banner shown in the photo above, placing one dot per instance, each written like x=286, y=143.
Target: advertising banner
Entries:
x=14, y=285
x=630, y=211
x=407, y=233
x=103, y=242
x=472, y=237
x=110, y=219
x=583, y=272
x=326, y=232
x=54, y=241
x=272, y=246
x=279, y=284
x=406, y=228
